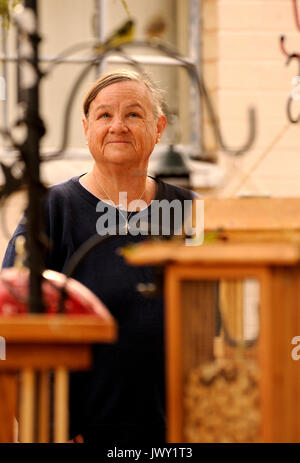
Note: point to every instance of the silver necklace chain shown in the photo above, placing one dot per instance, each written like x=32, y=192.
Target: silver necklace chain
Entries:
x=127, y=218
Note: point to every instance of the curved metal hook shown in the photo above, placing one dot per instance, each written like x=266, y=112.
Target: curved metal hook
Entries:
x=216, y=128
x=289, y=111
x=11, y=183
x=191, y=68
x=293, y=56
x=283, y=49
x=293, y=96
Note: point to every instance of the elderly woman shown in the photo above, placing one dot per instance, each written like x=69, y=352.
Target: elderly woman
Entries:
x=122, y=399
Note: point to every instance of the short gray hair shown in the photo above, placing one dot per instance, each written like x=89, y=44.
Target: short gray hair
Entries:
x=158, y=100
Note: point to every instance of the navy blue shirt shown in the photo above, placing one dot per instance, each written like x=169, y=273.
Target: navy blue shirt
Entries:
x=122, y=398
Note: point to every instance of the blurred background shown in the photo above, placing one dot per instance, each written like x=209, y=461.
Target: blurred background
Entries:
x=235, y=45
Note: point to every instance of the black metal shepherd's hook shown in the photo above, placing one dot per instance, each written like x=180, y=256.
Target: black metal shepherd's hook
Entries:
x=295, y=93
x=283, y=49
x=282, y=37
x=198, y=79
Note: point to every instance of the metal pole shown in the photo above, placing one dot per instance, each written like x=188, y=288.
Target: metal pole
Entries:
x=99, y=30
x=4, y=84
x=154, y=60
x=195, y=57
x=31, y=154
x=18, y=66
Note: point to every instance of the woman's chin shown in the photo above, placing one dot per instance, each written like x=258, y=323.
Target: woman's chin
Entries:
x=116, y=157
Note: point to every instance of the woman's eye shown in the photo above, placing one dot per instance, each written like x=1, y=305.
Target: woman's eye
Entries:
x=104, y=116
x=133, y=115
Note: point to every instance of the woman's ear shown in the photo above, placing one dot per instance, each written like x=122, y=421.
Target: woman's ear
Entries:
x=85, y=127
x=160, y=127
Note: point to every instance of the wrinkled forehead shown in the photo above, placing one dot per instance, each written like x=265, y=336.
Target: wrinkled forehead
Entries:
x=125, y=91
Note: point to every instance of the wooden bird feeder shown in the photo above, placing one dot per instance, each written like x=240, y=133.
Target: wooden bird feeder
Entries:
x=232, y=310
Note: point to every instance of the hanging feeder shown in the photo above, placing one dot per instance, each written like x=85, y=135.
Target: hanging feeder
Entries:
x=172, y=168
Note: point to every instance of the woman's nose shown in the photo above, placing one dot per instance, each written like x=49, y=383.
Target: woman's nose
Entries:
x=118, y=125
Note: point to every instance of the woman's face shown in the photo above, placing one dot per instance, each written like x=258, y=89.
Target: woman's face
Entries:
x=121, y=128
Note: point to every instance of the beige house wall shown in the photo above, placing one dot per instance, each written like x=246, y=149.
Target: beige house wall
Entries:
x=242, y=53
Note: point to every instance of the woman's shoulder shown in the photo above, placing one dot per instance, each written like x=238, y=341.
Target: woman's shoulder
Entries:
x=72, y=192
x=63, y=187
x=67, y=191
x=170, y=192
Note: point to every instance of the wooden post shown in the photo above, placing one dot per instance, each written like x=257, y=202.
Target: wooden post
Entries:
x=8, y=406
x=61, y=405
x=44, y=407
x=27, y=408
